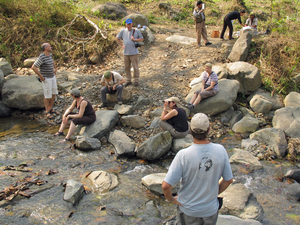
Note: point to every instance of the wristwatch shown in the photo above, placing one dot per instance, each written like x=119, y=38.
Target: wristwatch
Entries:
x=170, y=200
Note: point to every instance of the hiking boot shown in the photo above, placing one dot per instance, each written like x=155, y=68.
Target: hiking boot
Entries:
x=120, y=102
x=127, y=83
x=208, y=43
x=232, y=38
x=199, y=45
x=222, y=39
x=103, y=105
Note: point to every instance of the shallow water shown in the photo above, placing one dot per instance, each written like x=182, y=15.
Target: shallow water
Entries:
x=130, y=203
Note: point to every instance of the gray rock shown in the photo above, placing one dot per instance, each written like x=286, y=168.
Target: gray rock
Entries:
x=124, y=109
x=226, y=116
x=240, y=48
x=236, y=117
x=152, y=212
x=74, y=191
x=155, y=122
x=272, y=137
x=153, y=183
x=288, y=120
x=3, y=60
x=73, y=76
x=247, y=74
x=275, y=99
x=123, y=144
x=239, y=201
x=296, y=78
x=222, y=101
x=2, y=80
x=126, y=95
x=293, y=192
x=220, y=70
x=226, y=49
x=103, y=181
x=142, y=101
x=12, y=76
x=137, y=19
x=181, y=39
x=110, y=10
x=6, y=68
x=260, y=105
x=133, y=121
x=65, y=87
x=246, y=125
x=292, y=100
x=182, y=143
x=23, y=93
x=246, y=143
x=105, y=120
x=244, y=157
x=29, y=62
x=85, y=143
x=4, y=110
x=155, y=146
x=156, y=112
x=232, y=220
x=147, y=35
x=247, y=112
x=293, y=174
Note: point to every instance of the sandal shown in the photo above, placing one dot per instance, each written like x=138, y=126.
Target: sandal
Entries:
x=59, y=133
x=53, y=112
x=49, y=115
x=64, y=140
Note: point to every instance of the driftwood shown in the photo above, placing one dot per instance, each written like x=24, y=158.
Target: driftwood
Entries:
x=64, y=34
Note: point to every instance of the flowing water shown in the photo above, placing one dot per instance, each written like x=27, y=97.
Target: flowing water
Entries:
x=32, y=144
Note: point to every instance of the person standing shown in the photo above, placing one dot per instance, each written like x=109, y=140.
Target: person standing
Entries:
x=227, y=22
x=198, y=168
x=199, y=17
x=47, y=74
x=112, y=82
x=130, y=37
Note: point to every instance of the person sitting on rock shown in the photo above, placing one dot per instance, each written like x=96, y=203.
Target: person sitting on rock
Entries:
x=209, y=87
x=252, y=21
x=112, y=82
x=85, y=116
x=174, y=121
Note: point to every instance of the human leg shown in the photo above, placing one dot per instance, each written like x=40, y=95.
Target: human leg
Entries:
x=198, y=99
x=224, y=29
x=136, y=70
x=194, y=98
x=230, y=29
x=54, y=90
x=127, y=65
x=104, y=90
x=119, y=90
x=204, y=32
x=198, y=33
x=71, y=130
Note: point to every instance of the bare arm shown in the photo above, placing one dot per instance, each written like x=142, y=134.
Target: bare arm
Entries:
x=120, y=43
x=167, y=189
x=55, y=68
x=165, y=116
x=83, y=104
x=212, y=84
x=119, y=83
x=223, y=185
x=36, y=70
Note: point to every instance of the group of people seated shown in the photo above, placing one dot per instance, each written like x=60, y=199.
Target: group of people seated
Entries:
x=173, y=118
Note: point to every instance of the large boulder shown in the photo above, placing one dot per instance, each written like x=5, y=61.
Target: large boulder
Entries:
x=156, y=112
x=220, y=70
x=181, y=143
x=65, y=87
x=276, y=99
x=246, y=125
x=126, y=95
x=155, y=146
x=2, y=80
x=142, y=101
x=272, y=137
x=4, y=110
x=134, y=121
x=29, y=62
x=292, y=100
x=260, y=105
x=23, y=93
x=103, y=181
x=247, y=74
x=233, y=220
x=293, y=174
x=245, y=158
x=293, y=192
x=137, y=19
x=288, y=120
x=147, y=35
x=85, y=143
x=241, y=47
x=74, y=191
x=6, y=68
x=153, y=183
x=222, y=101
x=105, y=120
x=123, y=144
x=110, y=10
x=239, y=201
x=124, y=109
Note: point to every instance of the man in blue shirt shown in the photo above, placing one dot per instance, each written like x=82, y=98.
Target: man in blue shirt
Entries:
x=198, y=168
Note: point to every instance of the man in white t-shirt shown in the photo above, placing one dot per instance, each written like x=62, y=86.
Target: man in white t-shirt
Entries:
x=198, y=168
x=112, y=82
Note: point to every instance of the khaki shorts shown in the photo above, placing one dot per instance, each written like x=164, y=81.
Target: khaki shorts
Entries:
x=49, y=87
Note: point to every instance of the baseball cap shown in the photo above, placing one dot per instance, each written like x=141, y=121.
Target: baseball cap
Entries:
x=107, y=74
x=252, y=14
x=199, y=123
x=173, y=99
x=128, y=21
x=75, y=92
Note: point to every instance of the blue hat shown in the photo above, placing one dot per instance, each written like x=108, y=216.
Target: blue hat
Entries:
x=128, y=21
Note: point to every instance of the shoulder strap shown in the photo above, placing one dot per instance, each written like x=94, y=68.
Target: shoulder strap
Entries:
x=113, y=78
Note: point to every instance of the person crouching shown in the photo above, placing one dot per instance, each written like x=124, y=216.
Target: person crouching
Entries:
x=174, y=121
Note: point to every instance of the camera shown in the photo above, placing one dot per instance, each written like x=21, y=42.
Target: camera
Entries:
x=166, y=101
x=137, y=45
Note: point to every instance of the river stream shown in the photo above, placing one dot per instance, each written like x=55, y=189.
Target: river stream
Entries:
x=32, y=144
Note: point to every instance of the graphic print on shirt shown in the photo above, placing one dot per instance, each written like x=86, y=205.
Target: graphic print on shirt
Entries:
x=205, y=163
